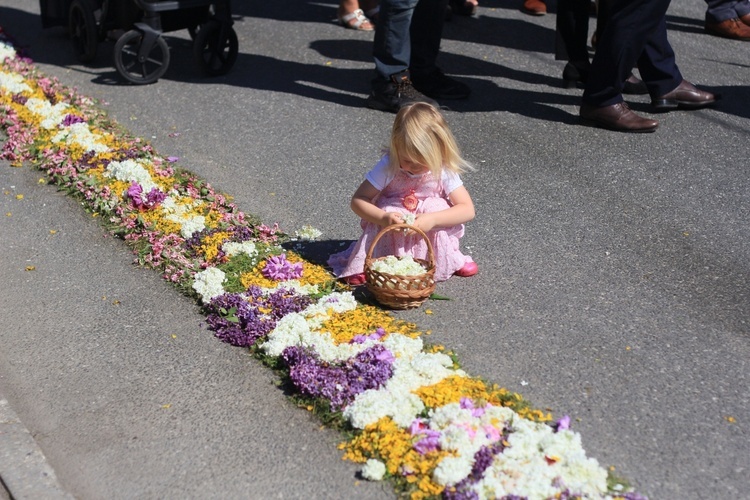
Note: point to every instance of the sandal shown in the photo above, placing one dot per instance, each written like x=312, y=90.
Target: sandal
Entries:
x=356, y=21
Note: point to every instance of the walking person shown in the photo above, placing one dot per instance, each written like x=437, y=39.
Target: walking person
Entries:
x=636, y=35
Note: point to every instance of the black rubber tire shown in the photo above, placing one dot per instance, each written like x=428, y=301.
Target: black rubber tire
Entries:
x=83, y=30
x=126, y=59
x=215, y=57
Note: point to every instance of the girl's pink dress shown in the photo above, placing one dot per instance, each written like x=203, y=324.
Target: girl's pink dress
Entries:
x=431, y=198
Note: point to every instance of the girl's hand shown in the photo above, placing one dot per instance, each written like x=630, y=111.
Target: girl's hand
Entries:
x=390, y=218
x=426, y=222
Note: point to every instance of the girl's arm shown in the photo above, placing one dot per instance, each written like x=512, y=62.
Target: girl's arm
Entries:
x=364, y=207
x=461, y=211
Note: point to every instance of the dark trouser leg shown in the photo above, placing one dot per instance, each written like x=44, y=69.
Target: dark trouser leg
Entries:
x=657, y=63
x=631, y=24
x=572, y=31
x=426, y=34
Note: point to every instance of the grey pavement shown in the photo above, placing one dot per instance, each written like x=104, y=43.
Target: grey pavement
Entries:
x=614, y=268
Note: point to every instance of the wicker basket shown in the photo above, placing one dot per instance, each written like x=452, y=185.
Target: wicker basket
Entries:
x=398, y=291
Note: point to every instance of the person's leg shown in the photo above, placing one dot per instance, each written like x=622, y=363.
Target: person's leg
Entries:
x=426, y=34
x=392, y=45
x=667, y=87
x=720, y=10
x=629, y=25
x=742, y=8
x=572, y=27
x=728, y=19
x=350, y=16
x=572, y=31
x=657, y=63
x=392, y=86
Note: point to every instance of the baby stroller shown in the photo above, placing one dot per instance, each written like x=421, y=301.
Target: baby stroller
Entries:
x=141, y=54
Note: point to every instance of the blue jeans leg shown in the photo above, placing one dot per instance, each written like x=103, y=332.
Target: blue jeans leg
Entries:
x=392, y=46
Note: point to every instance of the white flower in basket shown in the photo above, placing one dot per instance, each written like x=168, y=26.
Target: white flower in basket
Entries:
x=400, y=282
x=404, y=266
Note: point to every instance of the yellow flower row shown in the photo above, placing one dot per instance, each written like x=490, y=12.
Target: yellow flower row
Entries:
x=312, y=274
x=395, y=447
x=364, y=320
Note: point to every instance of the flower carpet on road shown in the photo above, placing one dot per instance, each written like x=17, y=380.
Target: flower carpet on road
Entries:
x=406, y=410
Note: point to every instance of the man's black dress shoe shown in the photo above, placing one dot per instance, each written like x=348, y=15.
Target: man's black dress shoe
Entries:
x=617, y=117
x=685, y=96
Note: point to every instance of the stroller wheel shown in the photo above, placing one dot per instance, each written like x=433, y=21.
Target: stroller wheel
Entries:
x=140, y=68
x=215, y=48
x=82, y=29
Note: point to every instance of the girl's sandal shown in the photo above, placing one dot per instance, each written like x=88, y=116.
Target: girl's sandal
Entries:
x=356, y=21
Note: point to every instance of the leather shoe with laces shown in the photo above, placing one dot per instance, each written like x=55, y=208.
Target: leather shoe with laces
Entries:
x=685, y=96
x=618, y=117
x=396, y=91
x=736, y=29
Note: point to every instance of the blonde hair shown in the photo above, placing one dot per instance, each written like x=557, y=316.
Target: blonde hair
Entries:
x=421, y=134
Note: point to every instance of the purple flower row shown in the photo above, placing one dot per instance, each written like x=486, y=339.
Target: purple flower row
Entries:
x=338, y=383
x=243, y=319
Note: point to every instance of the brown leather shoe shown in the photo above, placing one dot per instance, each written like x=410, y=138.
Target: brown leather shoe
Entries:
x=534, y=7
x=685, y=96
x=745, y=19
x=617, y=117
x=731, y=28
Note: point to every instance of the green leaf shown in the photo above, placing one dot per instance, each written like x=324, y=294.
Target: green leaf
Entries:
x=435, y=296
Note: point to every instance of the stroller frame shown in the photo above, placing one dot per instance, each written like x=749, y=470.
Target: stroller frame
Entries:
x=141, y=54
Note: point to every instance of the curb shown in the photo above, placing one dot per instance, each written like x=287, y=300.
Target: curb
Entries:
x=24, y=471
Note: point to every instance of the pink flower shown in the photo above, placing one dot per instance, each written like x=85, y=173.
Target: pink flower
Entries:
x=279, y=269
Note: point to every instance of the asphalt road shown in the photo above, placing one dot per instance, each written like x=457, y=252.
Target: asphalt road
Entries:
x=613, y=282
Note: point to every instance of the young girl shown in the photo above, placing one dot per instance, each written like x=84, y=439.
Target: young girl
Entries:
x=418, y=179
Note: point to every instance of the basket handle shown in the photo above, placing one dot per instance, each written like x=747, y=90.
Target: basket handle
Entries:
x=430, y=252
